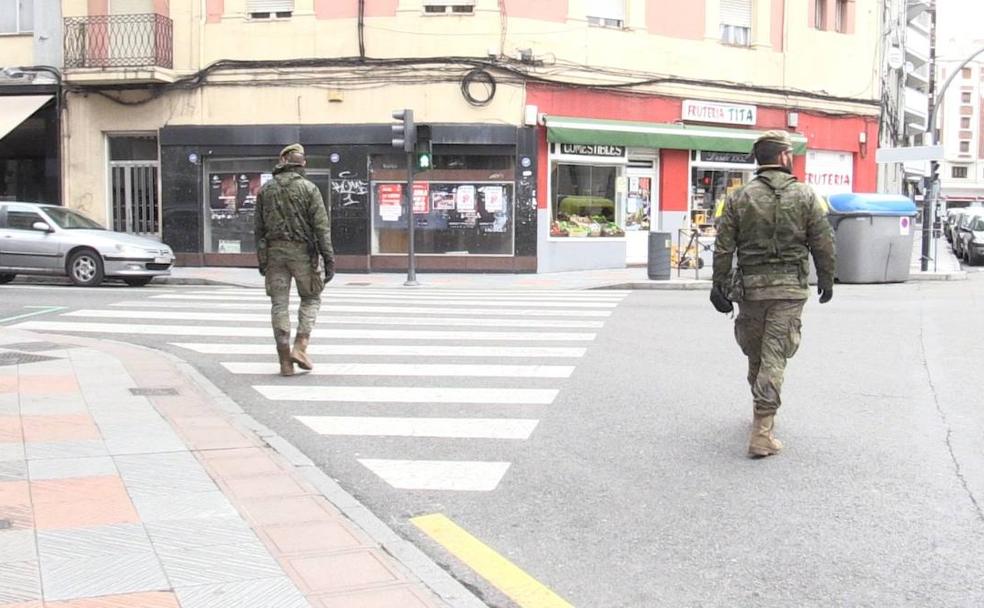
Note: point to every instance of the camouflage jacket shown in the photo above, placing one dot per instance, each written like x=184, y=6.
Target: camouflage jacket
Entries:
x=290, y=208
x=775, y=223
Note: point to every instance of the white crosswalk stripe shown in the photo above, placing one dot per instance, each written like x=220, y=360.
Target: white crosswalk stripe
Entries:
x=413, y=369
x=394, y=350
x=331, y=319
x=453, y=428
x=390, y=364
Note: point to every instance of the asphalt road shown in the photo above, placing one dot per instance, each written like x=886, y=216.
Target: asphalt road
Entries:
x=633, y=489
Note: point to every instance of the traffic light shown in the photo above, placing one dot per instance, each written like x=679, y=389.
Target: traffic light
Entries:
x=404, y=133
x=423, y=155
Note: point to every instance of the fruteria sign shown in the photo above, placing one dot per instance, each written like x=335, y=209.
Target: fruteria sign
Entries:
x=830, y=172
x=695, y=110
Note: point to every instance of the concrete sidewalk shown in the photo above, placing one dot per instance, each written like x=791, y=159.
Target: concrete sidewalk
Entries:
x=127, y=480
x=943, y=266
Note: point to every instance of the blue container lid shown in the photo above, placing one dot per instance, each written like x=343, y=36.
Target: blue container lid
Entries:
x=871, y=204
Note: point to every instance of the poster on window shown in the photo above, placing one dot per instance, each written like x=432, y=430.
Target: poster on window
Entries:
x=442, y=200
x=494, y=202
x=231, y=194
x=390, y=197
x=421, y=197
x=830, y=172
x=464, y=199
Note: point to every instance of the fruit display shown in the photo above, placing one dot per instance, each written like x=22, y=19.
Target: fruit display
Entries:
x=584, y=226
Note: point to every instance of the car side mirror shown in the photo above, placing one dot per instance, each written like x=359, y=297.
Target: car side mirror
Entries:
x=41, y=227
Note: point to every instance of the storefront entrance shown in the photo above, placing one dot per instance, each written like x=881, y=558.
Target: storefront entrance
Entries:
x=641, y=208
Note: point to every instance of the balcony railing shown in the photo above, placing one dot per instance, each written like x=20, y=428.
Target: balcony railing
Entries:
x=119, y=41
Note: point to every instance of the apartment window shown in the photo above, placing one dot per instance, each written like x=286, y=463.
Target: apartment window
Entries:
x=461, y=7
x=840, y=17
x=16, y=16
x=736, y=22
x=820, y=14
x=965, y=122
x=965, y=97
x=965, y=73
x=606, y=13
x=965, y=147
x=269, y=9
x=958, y=172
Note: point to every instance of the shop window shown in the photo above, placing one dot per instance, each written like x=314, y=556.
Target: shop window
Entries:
x=461, y=7
x=965, y=147
x=606, y=13
x=736, y=22
x=958, y=172
x=230, y=203
x=16, y=16
x=585, y=201
x=710, y=187
x=269, y=9
x=464, y=205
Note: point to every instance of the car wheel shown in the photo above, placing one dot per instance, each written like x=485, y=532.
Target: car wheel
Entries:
x=85, y=268
x=138, y=281
x=6, y=278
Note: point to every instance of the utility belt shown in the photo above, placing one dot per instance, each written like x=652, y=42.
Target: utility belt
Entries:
x=288, y=243
x=772, y=269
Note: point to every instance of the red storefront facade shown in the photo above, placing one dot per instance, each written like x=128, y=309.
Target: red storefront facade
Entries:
x=669, y=181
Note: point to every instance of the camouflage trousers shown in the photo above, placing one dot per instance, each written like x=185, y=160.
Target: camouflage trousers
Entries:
x=291, y=261
x=768, y=332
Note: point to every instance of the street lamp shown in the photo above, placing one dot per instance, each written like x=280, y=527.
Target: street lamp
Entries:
x=933, y=180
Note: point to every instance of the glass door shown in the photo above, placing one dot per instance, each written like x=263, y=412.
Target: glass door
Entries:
x=641, y=210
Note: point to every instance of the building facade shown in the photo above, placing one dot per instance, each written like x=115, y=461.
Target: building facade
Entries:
x=962, y=135
x=563, y=131
x=30, y=96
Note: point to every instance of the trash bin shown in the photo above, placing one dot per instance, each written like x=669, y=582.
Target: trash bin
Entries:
x=658, y=262
x=874, y=236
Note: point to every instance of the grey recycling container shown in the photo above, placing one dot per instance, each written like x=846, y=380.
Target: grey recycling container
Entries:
x=658, y=262
x=874, y=236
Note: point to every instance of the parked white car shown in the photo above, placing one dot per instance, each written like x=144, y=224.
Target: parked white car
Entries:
x=51, y=240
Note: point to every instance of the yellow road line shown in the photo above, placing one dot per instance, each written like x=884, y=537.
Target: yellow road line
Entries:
x=503, y=574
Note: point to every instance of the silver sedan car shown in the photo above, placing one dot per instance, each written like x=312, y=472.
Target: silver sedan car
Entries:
x=52, y=240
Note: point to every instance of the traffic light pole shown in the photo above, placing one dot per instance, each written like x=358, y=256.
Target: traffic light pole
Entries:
x=929, y=198
x=411, y=222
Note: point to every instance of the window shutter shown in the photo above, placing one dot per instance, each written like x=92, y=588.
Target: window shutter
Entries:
x=607, y=9
x=736, y=12
x=269, y=6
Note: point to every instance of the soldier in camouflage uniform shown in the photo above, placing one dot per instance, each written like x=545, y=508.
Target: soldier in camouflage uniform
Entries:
x=293, y=241
x=775, y=223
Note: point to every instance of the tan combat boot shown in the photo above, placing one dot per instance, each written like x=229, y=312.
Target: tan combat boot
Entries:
x=283, y=353
x=299, y=354
x=762, y=443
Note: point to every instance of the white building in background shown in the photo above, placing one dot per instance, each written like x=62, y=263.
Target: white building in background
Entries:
x=905, y=88
x=961, y=128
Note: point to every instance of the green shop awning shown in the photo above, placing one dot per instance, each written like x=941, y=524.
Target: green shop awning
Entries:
x=565, y=130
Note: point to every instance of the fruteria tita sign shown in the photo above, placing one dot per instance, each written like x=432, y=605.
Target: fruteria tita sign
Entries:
x=720, y=113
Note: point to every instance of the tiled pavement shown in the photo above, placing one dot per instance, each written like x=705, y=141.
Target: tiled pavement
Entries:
x=111, y=499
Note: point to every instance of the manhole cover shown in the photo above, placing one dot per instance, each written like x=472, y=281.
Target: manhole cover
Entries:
x=22, y=358
x=35, y=347
x=154, y=392
x=4, y=524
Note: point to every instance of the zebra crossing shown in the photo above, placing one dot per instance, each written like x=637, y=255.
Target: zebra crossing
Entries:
x=388, y=359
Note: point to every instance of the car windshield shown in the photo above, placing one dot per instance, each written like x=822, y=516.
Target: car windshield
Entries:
x=71, y=220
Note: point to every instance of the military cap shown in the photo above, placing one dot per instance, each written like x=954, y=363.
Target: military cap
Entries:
x=292, y=148
x=776, y=137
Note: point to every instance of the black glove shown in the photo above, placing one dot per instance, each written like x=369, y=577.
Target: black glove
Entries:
x=826, y=293
x=329, y=269
x=720, y=302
